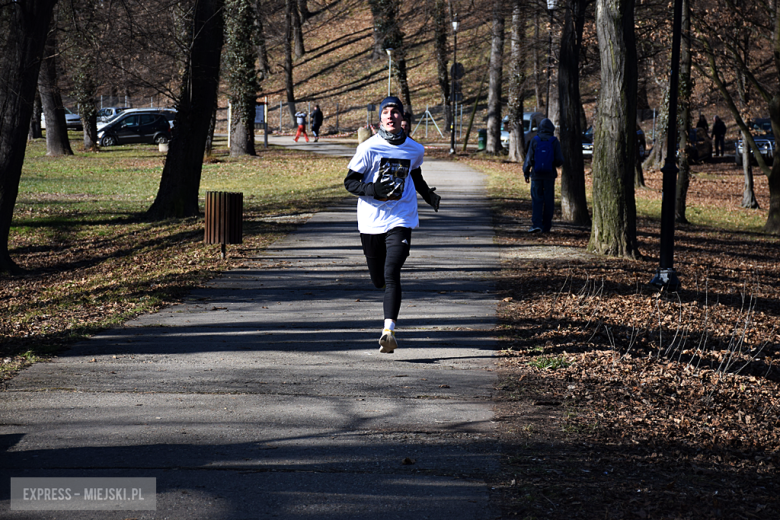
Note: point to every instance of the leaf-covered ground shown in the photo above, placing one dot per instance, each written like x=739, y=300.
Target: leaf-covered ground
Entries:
x=91, y=259
x=617, y=401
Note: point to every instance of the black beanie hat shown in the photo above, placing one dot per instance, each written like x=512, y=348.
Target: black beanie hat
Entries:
x=393, y=102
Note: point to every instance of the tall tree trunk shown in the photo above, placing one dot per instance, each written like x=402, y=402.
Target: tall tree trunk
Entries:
x=440, y=30
x=748, y=193
x=574, y=206
x=303, y=8
x=517, y=83
x=57, y=143
x=614, y=208
x=655, y=159
x=297, y=27
x=35, y=121
x=240, y=75
x=494, y=88
x=289, y=85
x=89, y=122
x=684, y=119
x=23, y=29
x=377, y=12
x=209, y=148
x=773, y=178
x=178, y=193
x=263, y=65
x=537, y=65
x=403, y=81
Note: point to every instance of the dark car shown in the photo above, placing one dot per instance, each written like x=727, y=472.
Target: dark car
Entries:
x=136, y=127
x=587, y=142
x=764, y=138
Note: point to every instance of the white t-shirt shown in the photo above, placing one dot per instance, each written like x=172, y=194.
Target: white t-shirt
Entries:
x=378, y=216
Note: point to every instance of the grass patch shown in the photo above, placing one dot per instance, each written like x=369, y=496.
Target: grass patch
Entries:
x=92, y=261
x=549, y=362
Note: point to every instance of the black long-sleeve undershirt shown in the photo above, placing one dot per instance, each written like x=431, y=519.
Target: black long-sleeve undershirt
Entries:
x=355, y=185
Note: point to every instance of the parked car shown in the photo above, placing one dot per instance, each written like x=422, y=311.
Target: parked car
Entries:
x=107, y=113
x=72, y=121
x=135, y=127
x=168, y=113
x=531, y=122
x=587, y=142
x=764, y=138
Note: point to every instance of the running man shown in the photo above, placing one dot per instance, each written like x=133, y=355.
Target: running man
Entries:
x=385, y=173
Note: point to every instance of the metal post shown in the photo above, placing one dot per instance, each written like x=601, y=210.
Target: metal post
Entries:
x=280, y=117
x=265, y=123
x=337, y=118
x=453, y=103
x=549, y=65
x=666, y=276
x=389, y=68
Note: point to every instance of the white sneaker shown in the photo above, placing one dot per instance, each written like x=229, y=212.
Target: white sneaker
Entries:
x=387, y=343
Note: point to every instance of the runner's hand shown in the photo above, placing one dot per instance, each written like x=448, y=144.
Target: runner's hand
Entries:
x=383, y=187
x=435, y=199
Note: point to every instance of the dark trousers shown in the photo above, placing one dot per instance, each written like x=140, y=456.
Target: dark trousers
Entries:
x=542, y=203
x=385, y=256
x=720, y=144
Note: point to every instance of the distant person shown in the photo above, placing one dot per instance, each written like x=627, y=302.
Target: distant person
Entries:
x=316, y=122
x=385, y=174
x=406, y=124
x=719, y=133
x=702, y=123
x=300, y=118
x=540, y=169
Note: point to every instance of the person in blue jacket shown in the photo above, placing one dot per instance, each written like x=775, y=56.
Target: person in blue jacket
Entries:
x=540, y=169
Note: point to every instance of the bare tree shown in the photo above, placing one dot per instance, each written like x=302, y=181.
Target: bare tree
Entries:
x=684, y=118
x=440, y=50
x=289, y=84
x=57, y=143
x=297, y=29
x=79, y=23
x=240, y=75
x=517, y=79
x=303, y=8
x=35, y=122
x=23, y=29
x=178, y=193
x=493, y=145
x=574, y=206
x=263, y=65
x=614, y=208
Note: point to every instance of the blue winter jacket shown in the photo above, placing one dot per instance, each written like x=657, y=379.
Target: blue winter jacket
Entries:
x=546, y=131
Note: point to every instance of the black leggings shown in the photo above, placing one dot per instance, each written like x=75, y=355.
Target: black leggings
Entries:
x=385, y=255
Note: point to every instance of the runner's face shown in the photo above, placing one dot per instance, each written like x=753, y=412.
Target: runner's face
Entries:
x=391, y=119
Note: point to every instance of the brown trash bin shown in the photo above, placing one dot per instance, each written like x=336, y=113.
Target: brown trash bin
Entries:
x=224, y=218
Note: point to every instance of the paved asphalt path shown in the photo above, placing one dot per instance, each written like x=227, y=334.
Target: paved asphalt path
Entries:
x=263, y=394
